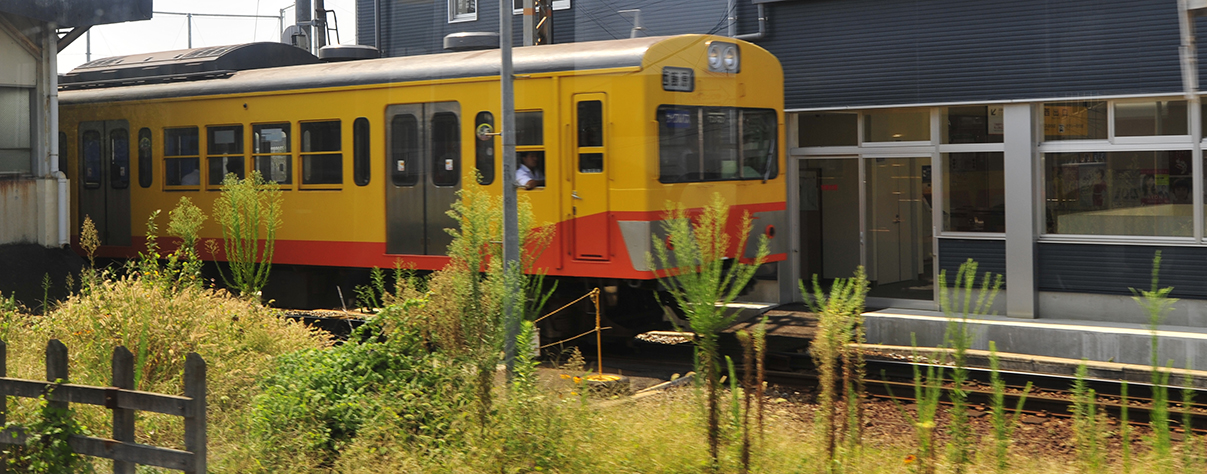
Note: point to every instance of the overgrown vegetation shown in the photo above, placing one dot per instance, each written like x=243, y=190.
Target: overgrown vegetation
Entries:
x=703, y=280
x=249, y=213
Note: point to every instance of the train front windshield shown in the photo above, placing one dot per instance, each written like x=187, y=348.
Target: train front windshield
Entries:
x=715, y=144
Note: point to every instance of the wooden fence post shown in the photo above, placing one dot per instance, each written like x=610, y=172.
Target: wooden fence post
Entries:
x=123, y=419
x=56, y=367
x=194, y=426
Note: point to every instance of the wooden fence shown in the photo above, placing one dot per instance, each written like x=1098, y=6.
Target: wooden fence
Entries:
x=124, y=401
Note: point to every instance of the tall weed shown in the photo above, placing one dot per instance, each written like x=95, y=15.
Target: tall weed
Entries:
x=249, y=212
x=1156, y=302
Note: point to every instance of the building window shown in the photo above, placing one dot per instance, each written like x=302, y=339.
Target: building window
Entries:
x=905, y=125
x=181, y=157
x=224, y=153
x=1151, y=118
x=972, y=124
x=1140, y=193
x=974, y=192
x=270, y=151
x=518, y=8
x=828, y=129
x=1085, y=120
x=16, y=154
x=462, y=10
x=322, y=161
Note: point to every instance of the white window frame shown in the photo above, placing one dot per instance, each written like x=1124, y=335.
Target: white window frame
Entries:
x=454, y=17
x=557, y=5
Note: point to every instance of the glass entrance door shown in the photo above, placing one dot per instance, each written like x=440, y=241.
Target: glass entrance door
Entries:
x=900, y=239
x=884, y=225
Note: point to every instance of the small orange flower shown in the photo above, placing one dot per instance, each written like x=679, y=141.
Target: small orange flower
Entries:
x=910, y=459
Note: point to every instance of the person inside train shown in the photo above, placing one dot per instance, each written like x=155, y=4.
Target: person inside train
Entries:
x=530, y=174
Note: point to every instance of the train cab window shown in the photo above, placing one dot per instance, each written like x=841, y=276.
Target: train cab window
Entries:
x=716, y=143
x=530, y=128
x=484, y=147
x=224, y=152
x=182, y=161
x=446, y=149
x=590, y=134
x=63, y=153
x=360, y=151
x=404, y=150
x=270, y=151
x=91, y=159
x=144, y=157
x=119, y=163
x=322, y=160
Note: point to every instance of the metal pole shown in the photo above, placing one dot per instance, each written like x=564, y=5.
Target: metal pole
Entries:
x=88, y=46
x=301, y=12
x=511, y=232
x=528, y=14
x=1187, y=11
x=320, y=24
x=189, y=18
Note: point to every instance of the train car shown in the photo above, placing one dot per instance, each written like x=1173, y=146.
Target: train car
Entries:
x=371, y=153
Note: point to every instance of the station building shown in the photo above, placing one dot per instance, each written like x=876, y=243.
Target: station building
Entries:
x=1051, y=141
x=33, y=191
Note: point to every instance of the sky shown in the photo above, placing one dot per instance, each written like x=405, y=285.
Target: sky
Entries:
x=170, y=32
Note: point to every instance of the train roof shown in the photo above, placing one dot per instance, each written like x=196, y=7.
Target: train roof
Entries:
x=526, y=60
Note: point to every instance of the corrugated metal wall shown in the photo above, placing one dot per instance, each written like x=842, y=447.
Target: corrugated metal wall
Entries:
x=1113, y=269
x=418, y=27
x=990, y=256
x=839, y=53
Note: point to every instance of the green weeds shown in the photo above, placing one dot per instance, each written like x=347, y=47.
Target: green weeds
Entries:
x=249, y=212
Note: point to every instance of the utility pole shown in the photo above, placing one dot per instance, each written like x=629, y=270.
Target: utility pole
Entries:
x=511, y=231
x=1187, y=11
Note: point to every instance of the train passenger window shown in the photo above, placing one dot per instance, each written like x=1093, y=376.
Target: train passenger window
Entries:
x=446, y=149
x=119, y=163
x=530, y=128
x=759, y=148
x=360, y=151
x=484, y=147
x=404, y=150
x=322, y=161
x=224, y=152
x=63, y=153
x=181, y=152
x=91, y=153
x=270, y=151
x=144, y=157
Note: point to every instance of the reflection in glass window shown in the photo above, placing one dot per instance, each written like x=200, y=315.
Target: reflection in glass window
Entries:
x=322, y=161
x=1161, y=117
x=462, y=10
x=119, y=162
x=972, y=124
x=182, y=162
x=828, y=129
x=404, y=150
x=224, y=152
x=974, y=192
x=270, y=149
x=1145, y=193
x=736, y=144
x=904, y=125
x=1083, y=120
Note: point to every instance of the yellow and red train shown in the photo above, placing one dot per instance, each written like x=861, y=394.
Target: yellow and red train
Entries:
x=370, y=153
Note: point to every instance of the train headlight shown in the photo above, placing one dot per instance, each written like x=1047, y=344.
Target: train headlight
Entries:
x=724, y=57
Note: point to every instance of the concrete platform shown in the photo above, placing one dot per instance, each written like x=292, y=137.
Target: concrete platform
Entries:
x=1112, y=342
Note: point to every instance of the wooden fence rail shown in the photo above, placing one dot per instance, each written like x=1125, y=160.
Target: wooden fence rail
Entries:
x=123, y=400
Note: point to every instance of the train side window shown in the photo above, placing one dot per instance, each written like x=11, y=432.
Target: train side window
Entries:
x=590, y=134
x=224, y=152
x=404, y=150
x=182, y=161
x=144, y=157
x=360, y=151
x=119, y=163
x=484, y=147
x=322, y=160
x=91, y=153
x=63, y=154
x=270, y=149
x=446, y=149
x=530, y=128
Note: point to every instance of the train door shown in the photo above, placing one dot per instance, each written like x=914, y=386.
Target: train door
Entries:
x=589, y=185
x=423, y=143
x=104, y=194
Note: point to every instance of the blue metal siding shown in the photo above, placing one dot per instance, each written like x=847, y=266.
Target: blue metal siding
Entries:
x=990, y=256
x=1113, y=269
x=840, y=53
